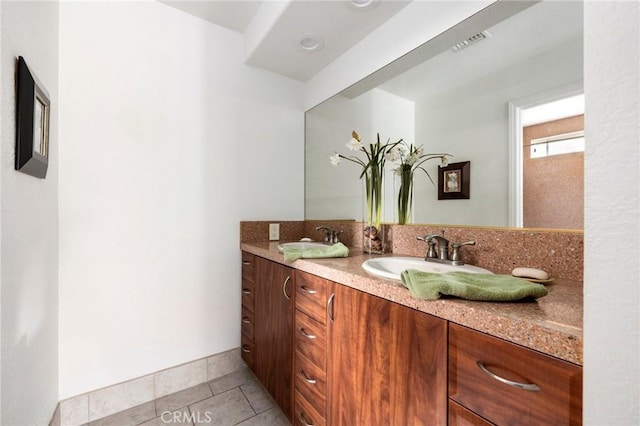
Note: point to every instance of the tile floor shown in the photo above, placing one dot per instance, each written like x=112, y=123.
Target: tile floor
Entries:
x=234, y=399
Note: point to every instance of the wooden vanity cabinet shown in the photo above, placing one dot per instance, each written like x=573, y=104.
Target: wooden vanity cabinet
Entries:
x=480, y=364
x=273, y=330
x=387, y=363
x=332, y=355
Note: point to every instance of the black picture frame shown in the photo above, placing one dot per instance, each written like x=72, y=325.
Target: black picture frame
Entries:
x=32, y=123
x=454, y=181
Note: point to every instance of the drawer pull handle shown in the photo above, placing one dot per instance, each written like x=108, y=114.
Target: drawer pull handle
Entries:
x=245, y=291
x=525, y=386
x=245, y=349
x=306, y=378
x=307, y=334
x=246, y=262
x=246, y=320
x=304, y=420
x=308, y=290
x=284, y=287
x=330, y=307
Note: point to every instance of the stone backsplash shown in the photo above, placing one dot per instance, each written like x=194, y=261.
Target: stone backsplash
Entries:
x=560, y=253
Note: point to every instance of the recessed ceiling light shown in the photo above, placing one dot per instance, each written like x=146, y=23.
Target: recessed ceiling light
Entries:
x=311, y=42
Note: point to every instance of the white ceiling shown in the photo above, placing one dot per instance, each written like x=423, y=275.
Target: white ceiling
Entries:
x=235, y=15
x=537, y=29
x=273, y=28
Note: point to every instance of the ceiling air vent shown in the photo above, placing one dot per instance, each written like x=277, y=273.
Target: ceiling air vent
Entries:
x=471, y=40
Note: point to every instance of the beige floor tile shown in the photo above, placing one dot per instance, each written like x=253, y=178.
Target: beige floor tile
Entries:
x=131, y=417
x=230, y=400
x=178, y=378
x=74, y=411
x=183, y=398
x=257, y=396
x=168, y=418
x=55, y=420
x=272, y=417
x=114, y=399
x=224, y=363
x=226, y=409
x=231, y=381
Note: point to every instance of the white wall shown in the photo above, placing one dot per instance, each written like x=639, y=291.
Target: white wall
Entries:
x=471, y=122
x=612, y=214
x=168, y=142
x=29, y=231
x=336, y=192
x=3, y=111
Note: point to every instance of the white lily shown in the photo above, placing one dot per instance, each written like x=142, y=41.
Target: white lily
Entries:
x=394, y=154
x=354, y=144
x=335, y=159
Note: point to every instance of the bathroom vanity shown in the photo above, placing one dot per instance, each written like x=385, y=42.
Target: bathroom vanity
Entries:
x=354, y=349
x=267, y=289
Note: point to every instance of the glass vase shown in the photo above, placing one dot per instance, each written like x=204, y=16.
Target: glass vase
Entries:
x=372, y=232
x=403, y=181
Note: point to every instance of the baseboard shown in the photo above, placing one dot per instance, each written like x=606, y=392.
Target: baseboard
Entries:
x=100, y=403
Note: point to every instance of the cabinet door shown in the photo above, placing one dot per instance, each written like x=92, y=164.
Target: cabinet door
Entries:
x=274, y=330
x=387, y=363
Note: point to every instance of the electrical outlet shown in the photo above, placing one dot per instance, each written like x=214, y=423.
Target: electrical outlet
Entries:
x=274, y=231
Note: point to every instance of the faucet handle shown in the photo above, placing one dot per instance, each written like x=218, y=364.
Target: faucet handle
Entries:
x=455, y=254
x=468, y=243
x=431, y=252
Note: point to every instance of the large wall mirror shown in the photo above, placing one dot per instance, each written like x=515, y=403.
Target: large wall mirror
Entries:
x=469, y=102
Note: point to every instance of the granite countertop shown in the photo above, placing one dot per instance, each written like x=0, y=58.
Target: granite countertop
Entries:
x=551, y=324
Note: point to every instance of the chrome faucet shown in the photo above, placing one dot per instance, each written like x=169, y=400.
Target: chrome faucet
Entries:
x=442, y=245
x=331, y=236
x=438, y=249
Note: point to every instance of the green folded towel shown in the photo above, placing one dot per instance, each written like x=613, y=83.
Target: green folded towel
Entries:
x=336, y=250
x=467, y=285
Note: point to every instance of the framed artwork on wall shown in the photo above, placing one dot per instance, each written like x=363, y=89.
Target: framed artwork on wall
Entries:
x=454, y=181
x=32, y=123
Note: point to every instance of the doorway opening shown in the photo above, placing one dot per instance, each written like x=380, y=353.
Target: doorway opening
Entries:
x=546, y=144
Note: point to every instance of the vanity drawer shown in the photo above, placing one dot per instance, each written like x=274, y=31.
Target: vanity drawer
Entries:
x=248, y=295
x=247, y=351
x=305, y=414
x=557, y=399
x=248, y=266
x=311, y=296
x=460, y=416
x=247, y=323
x=311, y=339
x=311, y=382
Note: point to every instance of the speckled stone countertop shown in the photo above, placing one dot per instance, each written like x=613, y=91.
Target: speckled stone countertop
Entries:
x=551, y=324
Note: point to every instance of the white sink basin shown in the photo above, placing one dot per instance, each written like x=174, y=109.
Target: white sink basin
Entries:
x=303, y=245
x=391, y=267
